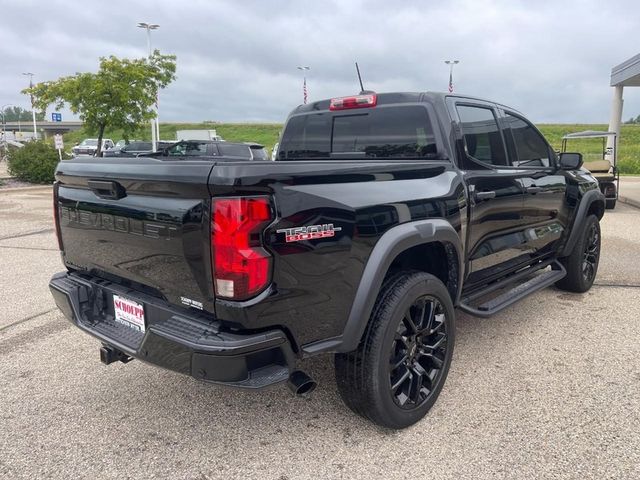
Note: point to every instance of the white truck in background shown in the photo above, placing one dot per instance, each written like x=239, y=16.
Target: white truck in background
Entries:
x=197, y=135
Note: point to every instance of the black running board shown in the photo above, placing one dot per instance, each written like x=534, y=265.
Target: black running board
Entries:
x=518, y=292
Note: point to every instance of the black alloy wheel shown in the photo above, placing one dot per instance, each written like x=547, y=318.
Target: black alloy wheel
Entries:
x=591, y=253
x=397, y=372
x=582, y=263
x=418, y=353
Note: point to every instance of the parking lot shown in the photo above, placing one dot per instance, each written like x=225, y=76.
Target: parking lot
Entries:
x=549, y=388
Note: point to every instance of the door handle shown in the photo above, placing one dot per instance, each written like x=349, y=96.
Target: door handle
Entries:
x=107, y=190
x=534, y=189
x=486, y=195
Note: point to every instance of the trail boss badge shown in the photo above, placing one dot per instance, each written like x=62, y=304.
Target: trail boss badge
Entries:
x=311, y=232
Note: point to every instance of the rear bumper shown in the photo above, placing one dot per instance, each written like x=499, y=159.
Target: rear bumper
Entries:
x=184, y=341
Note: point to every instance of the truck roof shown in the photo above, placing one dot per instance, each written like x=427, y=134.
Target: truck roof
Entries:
x=397, y=97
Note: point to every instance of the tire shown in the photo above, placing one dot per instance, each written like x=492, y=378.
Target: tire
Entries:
x=582, y=264
x=610, y=203
x=421, y=354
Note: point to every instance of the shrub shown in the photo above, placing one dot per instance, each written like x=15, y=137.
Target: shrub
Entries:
x=35, y=162
x=629, y=166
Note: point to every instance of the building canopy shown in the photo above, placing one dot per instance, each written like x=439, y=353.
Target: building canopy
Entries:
x=627, y=74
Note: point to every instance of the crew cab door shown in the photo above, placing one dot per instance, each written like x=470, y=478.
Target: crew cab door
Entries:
x=544, y=214
x=496, y=192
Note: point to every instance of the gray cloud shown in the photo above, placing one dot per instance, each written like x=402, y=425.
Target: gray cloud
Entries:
x=237, y=59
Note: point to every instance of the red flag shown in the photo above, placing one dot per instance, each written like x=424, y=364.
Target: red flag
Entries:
x=450, y=82
x=304, y=90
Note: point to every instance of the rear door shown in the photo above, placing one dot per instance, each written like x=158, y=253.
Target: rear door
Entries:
x=496, y=192
x=544, y=212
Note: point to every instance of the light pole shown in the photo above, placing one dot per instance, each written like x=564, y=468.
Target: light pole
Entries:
x=2, y=110
x=4, y=124
x=155, y=123
x=304, y=70
x=33, y=109
x=451, y=63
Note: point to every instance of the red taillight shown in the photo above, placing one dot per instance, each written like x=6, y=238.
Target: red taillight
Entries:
x=357, y=101
x=241, y=267
x=56, y=216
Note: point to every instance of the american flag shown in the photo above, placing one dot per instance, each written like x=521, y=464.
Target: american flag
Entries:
x=450, y=82
x=304, y=90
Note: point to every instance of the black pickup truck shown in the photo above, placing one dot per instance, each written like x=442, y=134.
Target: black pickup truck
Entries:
x=382, y=214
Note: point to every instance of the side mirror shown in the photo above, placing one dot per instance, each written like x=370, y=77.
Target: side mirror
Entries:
x=570, y=161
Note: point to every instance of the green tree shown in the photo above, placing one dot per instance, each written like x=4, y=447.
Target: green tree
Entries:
x=14, y=114
x=119, y=96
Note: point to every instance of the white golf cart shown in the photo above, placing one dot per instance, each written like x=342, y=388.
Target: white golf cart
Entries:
x=605, y=171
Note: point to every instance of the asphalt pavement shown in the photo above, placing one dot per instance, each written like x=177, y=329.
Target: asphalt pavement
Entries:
x=549, y=388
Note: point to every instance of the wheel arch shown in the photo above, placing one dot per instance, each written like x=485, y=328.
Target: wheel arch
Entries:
x=398, y=245
x=591, y=203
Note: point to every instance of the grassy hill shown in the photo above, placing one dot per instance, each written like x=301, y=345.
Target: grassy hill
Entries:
x=628, y=143
x=267, y=134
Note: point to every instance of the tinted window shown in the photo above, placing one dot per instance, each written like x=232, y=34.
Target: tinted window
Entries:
x=234, y=150
x=187, y=149
x=259, y=154
x=482, y=135
x=391, y=132
x=385, y=132
x=137, y=146
x=531, y=148
x=307, y=136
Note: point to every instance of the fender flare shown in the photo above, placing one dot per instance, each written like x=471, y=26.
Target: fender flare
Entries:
x=392, y=243
x=588, y=199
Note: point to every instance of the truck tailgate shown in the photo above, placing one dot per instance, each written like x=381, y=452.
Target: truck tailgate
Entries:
x=139, y=221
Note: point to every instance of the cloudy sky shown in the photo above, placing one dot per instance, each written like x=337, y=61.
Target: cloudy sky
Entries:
x=237, y=59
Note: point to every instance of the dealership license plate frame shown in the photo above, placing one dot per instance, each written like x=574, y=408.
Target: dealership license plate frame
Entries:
x=129, y=313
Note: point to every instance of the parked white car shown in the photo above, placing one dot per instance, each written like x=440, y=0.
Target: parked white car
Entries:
x=89, y=146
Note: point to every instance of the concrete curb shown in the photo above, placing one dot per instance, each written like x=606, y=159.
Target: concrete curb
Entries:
x=629, y=201
x=25, y=189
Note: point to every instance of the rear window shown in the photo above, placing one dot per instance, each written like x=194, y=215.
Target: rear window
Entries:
x=137, y=146
x=231, y=150
x=383, y=132
x=259, y=154
x=188, y=149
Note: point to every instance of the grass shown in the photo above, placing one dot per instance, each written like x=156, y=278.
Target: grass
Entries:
x=267, y=135
x=628, y=143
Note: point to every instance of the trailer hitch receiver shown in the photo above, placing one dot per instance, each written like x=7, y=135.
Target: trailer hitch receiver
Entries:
x=109, y=354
